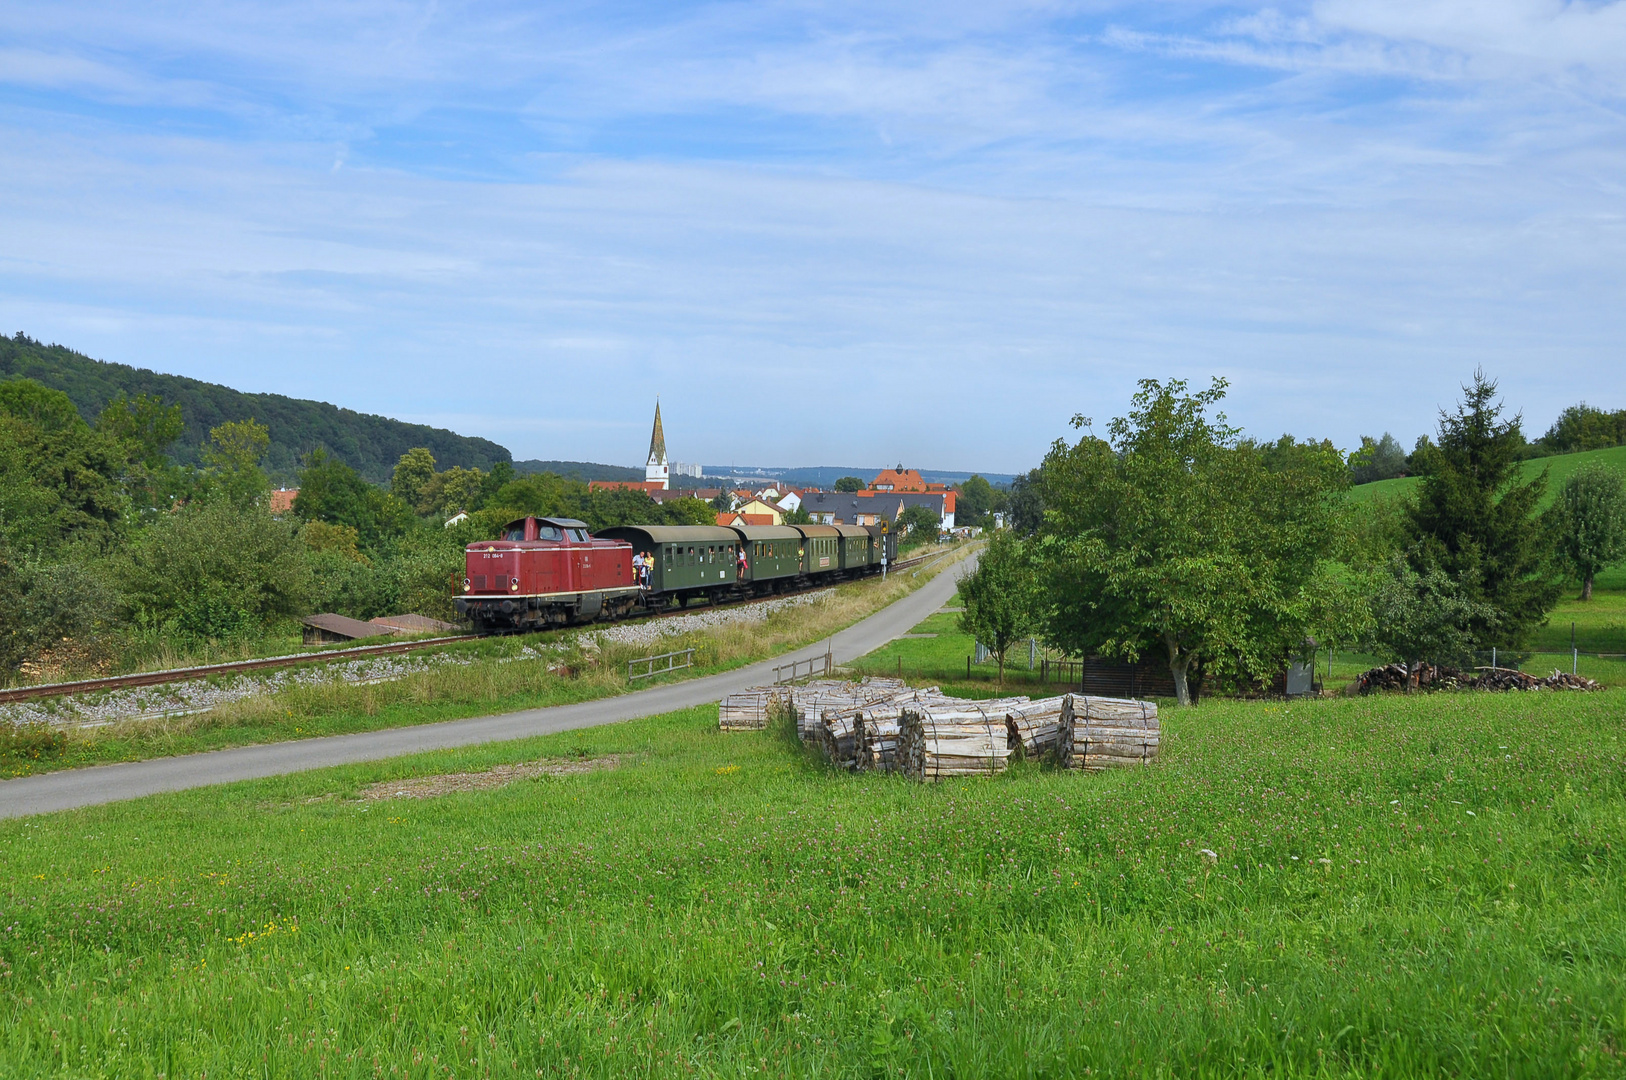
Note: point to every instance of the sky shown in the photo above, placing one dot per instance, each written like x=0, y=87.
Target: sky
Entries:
x=826, y=233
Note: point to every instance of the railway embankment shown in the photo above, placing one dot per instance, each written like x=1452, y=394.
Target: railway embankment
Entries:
x=445, y=682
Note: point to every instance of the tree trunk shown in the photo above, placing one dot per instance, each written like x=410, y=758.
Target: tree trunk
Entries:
x=1586, y=586
x=1178, y=662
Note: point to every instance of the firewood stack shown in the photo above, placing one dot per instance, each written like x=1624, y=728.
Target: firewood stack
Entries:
x=750, y=710
x=1033, y=728
x=838, y=737
x=878, y=737
x=935, y=741
x=1098, y=732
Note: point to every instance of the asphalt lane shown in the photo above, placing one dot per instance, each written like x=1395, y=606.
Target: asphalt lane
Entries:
x=99, y=784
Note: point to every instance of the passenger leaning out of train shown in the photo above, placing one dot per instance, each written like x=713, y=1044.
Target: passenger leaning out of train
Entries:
x=739, y=563
x=638, y=568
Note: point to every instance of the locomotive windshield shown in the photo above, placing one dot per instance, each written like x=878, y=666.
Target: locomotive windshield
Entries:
x=547, y=532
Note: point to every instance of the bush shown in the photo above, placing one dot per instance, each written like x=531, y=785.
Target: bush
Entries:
x=213, y=572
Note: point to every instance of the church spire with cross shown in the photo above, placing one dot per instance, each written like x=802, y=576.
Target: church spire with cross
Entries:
x=656, y=470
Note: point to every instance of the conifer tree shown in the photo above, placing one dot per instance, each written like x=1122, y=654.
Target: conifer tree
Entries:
x=1474, y=520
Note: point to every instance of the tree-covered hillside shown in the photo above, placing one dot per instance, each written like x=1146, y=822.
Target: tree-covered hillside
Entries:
x=585, y=471
x=370, y=444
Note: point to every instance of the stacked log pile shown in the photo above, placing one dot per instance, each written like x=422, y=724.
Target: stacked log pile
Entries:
x=935, y=741
x=1033, y=728
x=1099, y=733
x=1398, y=677
x=750, y=710
x=838, y=737
x=878, y=737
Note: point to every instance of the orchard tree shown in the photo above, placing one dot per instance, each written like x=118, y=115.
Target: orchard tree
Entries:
x=1001, y=596
x=1419, y=616
x=1591, y=522
x=1478, y=524
x=1172, y=536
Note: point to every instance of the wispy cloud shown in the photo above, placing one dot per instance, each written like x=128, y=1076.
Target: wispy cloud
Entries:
x=970, y=221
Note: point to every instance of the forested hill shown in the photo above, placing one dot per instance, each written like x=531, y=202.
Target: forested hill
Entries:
x=584, y=471
x=369, y=444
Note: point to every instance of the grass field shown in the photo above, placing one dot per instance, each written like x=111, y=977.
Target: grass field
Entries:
x=1398, y=887
x=1559, y=469
x=493, y=682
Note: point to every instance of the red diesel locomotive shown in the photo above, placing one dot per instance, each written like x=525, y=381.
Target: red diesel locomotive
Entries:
x=546, y=572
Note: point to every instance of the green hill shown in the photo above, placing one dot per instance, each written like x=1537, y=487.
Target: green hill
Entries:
x=369, y=444
x=585, y=471
x=1560, y=468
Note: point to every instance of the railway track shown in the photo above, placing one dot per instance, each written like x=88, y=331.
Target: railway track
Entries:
x=204, y=671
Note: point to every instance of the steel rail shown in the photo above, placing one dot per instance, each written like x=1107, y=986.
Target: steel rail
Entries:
x=204, y=671
x=158, y=678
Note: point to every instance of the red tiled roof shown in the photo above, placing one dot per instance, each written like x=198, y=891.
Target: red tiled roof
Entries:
x=282, y=500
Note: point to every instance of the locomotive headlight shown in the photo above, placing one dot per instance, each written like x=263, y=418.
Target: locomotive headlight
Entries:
x=467, y=584
x=513, y=586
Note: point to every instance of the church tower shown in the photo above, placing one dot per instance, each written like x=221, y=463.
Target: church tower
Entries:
x=656, y=471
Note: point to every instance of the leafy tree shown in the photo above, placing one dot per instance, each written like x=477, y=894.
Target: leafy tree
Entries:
x=1025, y=506
x=46, y=409
x=453, y=490
x=144, y=424
x=235, y=451
x=1001, y=596
x=918, y=523
x=723, y=503
x=1591, y=522
x=331, y=491
x=1377, y=459
x=974, y=500
x=60, y=480
x=1581, y=427
x=850, y=483
x=341, y=540
x=501, y=473
x=1172, y=536
x=1478, y=524
x=1422, y=616
x=214, y=571
x=413, y=473
x=798, y=516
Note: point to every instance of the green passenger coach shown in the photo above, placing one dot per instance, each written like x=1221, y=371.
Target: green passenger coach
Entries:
x=687, y=560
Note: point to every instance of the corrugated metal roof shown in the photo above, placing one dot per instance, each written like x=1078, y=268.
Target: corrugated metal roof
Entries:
x=412, y=622
x=344, y=626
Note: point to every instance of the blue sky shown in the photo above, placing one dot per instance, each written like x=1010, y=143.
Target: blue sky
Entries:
x=826, y=233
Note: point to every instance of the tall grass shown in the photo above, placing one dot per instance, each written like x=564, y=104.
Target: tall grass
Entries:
x=1398, y=887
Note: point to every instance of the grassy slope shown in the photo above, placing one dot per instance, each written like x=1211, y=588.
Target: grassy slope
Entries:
x=720, y=905
x=1560, y=468
x=490, y=685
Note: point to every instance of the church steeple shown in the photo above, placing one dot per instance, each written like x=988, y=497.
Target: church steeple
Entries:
x=655, y=469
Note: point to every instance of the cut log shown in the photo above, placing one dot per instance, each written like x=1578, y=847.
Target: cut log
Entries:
x=749, y=710
x=1033, y=728
x=1098, y=733
x=959, y=740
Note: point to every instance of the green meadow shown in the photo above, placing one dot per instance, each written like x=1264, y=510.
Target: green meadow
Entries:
x=1559, y=468
x=1399, y=886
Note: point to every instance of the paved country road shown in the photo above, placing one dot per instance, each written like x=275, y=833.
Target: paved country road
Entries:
x=130, y=780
